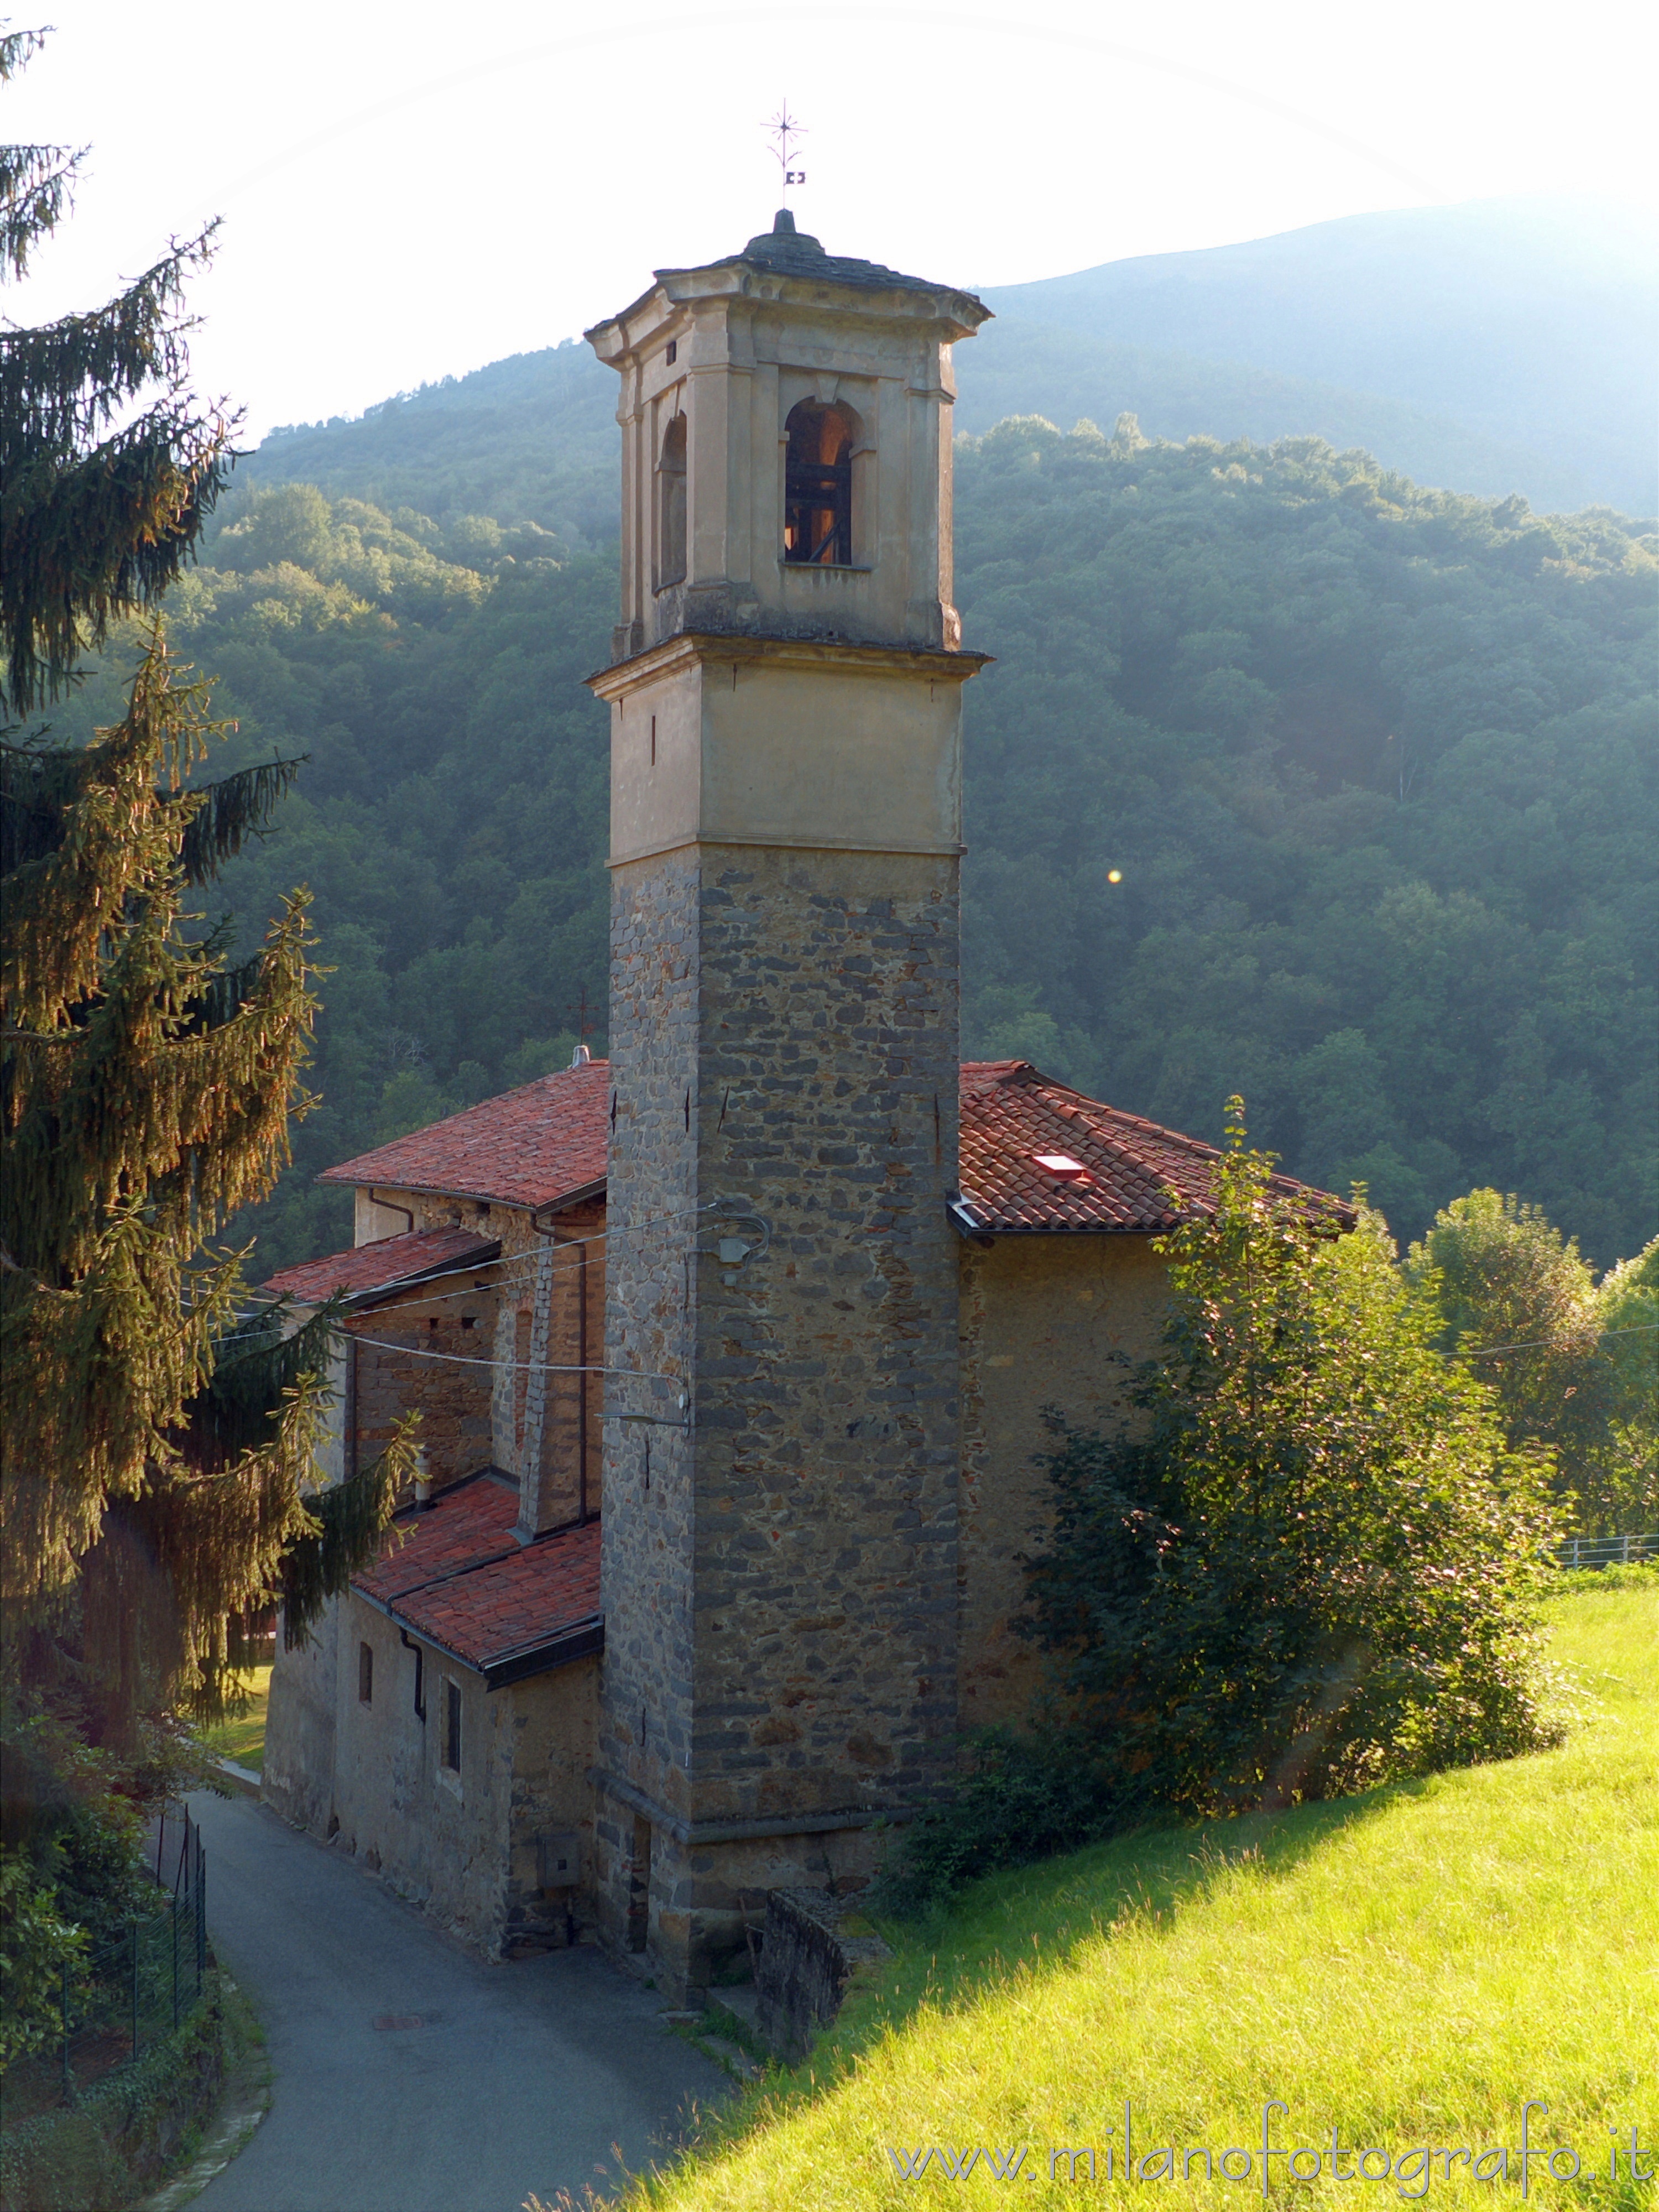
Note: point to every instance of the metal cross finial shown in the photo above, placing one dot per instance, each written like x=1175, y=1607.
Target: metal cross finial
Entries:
x=784, y=128
x=587, y=1017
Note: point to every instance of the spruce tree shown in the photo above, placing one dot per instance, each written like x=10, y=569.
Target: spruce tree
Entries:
x=160, y=1443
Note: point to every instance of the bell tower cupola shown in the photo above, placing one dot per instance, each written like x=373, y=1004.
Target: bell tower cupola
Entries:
x=785, y=418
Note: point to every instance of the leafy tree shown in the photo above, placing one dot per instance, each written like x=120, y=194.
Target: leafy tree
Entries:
x=1521, y=1304
x=158, y=1451
x=1312, y=1571
x=1628, y=1296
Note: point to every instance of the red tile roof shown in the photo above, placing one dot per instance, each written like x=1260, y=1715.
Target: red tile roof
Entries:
x=456, y=1576
x=1012, y=1116
x=379, y=1266
x=549, y=1140
x=544, y=1141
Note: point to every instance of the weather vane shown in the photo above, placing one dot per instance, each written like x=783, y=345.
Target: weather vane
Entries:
x=784, y=128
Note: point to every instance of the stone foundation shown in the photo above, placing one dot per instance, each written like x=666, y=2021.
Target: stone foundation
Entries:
x=813, y=1945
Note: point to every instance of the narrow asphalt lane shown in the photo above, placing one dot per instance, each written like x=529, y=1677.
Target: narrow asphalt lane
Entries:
x=495, y=2081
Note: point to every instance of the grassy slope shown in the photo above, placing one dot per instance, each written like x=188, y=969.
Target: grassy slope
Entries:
x=1411, y=1967
x=244, y=1739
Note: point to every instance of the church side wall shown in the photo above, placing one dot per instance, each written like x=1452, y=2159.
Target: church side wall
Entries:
x=298, y=1774
x=438, y=1839
x=1046, y=1320
x=555, y=1720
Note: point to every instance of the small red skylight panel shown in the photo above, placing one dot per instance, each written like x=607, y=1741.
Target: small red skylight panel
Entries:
x=1062, y=1166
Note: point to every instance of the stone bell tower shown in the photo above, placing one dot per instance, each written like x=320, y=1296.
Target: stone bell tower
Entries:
x=780, y=1552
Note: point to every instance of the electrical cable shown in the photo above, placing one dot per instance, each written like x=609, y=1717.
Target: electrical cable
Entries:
x=526, y=1366
x=1555, y=1343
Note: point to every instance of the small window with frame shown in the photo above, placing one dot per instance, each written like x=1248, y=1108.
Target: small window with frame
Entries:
x=453, y=1726
x=364, y=1673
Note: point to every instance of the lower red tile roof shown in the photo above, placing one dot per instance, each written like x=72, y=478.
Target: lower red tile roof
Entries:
x=545, y=1140
x=455, y=1575
x=393, y=1259
x=1136, y=1177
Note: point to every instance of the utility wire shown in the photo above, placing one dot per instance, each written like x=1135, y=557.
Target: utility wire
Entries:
x=535, y=1366
x=1555, y=1343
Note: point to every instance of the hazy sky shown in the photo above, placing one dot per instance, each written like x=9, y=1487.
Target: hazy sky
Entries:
x=410, y=191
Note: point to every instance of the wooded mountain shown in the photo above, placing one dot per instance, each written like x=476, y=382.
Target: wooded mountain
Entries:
x=1374, y=765
x=1499, y=347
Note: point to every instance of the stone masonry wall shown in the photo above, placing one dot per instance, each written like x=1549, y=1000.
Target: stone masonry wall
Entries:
x=428, y=1351
x=779, y=1586
x=646, y=1718
x=827, y=1387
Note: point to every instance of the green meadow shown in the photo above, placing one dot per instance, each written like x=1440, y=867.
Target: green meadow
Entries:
x=243, y=1740
x=1408, y=1968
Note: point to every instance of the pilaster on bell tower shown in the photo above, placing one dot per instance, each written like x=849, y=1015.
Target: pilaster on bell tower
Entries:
x=780, y=1570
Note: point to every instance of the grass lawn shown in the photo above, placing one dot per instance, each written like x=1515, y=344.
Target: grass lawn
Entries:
x=1408, y=1967
x=243, y=1740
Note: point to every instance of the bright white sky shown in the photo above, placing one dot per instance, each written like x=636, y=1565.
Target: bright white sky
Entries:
x=409, y=190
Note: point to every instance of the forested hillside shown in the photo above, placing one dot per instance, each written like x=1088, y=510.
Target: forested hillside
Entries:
x=1375, y=766
x=1377, y=769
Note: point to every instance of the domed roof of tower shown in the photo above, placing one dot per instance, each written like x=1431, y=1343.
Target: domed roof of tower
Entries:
x=783, y=251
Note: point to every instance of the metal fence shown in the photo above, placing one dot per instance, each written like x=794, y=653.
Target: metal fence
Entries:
x=136, y=1987
x=1606, y=1550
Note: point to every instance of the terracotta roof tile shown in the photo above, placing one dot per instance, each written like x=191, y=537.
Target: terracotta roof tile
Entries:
x=379, y=1267
x=550, y=1139
x=457, y=1576
x=1012, y=1116
x=544, y=1141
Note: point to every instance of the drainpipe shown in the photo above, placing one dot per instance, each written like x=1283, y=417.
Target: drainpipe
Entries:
x=391, y=1207
x=581, y=1382
x=349, y=1457
x=420, y=1672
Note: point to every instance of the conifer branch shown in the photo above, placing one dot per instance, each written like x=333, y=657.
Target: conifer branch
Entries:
x=233, y=808
x=37, y=185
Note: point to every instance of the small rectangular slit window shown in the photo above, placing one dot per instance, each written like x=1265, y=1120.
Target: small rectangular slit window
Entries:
x=453, y=1726
x=673, y=352
x=364, y=1673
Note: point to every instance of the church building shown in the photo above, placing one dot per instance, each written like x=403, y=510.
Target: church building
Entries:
x=731, y=1350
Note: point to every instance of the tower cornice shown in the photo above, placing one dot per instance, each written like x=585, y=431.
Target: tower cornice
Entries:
x=744, y=649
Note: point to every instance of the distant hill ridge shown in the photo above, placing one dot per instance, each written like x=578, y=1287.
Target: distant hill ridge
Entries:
x=1495, y=346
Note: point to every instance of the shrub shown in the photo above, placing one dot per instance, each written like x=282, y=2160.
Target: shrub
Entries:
x=1317, y=1569
x=36, y=1945
x=1024, y=1797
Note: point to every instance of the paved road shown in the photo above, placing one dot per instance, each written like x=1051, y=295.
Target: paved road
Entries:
x=521, y=2077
